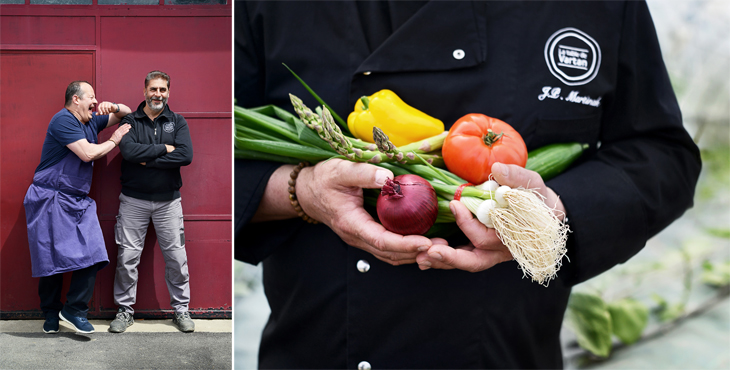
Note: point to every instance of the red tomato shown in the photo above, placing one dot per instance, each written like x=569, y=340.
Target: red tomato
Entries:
x=476, y=141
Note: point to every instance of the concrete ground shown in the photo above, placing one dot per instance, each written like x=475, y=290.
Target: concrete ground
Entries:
x=148, y=344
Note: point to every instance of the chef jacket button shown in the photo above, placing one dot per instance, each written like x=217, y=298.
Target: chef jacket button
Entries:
x=459, y=54
x=367, y=73
x=364, y=365
x=363, y=266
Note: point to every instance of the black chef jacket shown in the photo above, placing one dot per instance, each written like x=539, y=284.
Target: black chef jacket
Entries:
x=557, y=72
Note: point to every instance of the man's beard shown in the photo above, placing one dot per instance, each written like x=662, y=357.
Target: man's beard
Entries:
x=156, y=105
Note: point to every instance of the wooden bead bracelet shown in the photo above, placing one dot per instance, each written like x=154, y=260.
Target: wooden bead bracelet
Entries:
x=293, y=194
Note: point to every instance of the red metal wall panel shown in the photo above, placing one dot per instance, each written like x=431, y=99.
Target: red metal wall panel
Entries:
x=26, y=106
x=114, y=49
x=47, y=30
x=196, y=55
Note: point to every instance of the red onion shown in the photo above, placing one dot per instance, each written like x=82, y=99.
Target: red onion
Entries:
x=407, y=205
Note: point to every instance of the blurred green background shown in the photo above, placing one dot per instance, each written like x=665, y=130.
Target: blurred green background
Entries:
x=668, y=306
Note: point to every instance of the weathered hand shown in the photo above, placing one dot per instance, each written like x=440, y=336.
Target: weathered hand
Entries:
x=516, y=176
x=120, y=132
x=331, y=192
x=485, y=249
x=106, y=107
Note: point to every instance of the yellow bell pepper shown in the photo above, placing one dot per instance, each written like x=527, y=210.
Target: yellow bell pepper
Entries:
x=402, y=123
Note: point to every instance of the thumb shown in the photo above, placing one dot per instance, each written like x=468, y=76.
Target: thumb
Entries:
x=515, y=176
x=364, y=175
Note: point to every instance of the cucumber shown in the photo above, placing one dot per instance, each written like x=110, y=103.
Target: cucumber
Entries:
x=551, y=160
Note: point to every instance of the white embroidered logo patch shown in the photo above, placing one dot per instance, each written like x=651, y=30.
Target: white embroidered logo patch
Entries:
x=572, y=56
x=169, y=127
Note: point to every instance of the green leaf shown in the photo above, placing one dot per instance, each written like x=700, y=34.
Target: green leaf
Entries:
x=672, y=312
x=589, y=318
x=629, y=318
x=660, y=301
x=717, y=275
x=720, y=233
x=665, y=311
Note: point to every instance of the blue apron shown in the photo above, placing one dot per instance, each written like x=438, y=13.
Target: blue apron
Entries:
x=63, y=229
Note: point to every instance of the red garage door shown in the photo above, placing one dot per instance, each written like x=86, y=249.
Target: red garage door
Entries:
x=44, y=47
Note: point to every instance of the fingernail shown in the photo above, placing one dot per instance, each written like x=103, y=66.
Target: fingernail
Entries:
x=425, y=265
x=380, y=177
x=451, y=207
x=436, y=256
x=501, y=168
x=423, y=249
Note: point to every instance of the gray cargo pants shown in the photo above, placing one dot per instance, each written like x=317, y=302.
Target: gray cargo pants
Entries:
x=130, y=231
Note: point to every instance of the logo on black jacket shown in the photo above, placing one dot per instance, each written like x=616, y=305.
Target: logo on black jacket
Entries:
x=169, y=127
x=572, y=56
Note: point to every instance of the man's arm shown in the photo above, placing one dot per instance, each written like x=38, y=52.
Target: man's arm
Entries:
x=88, y=152
x=115, y=111
x=182, y=153
x=134, y=151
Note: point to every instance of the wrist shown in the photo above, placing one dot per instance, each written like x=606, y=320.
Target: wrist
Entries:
x=294, y=200
x=275, y=204
x=116, y=105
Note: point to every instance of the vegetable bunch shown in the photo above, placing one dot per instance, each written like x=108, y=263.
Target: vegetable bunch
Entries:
x=529, y=228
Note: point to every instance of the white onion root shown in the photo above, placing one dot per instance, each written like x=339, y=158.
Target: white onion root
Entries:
x=532, y=233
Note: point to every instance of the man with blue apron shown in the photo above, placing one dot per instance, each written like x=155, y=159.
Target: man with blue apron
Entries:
x=63, y=229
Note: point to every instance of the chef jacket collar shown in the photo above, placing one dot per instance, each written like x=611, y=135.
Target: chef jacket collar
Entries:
x=419, y=45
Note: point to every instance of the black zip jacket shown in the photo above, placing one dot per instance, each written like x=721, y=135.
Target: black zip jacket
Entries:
x=159, y=178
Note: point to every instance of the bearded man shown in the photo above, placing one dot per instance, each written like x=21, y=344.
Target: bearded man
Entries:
x=157, y=145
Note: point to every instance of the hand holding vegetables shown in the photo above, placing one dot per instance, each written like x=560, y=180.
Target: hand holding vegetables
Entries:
x=331, y=192
x=483, y=252
x=485, y=249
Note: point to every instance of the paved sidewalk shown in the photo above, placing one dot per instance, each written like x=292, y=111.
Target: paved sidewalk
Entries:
x=102, y=326
x=148, y=344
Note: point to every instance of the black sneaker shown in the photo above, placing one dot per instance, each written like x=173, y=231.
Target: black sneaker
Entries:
x=121, y=322
x=79, y=323
x=51, y=324
x=184, y=322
